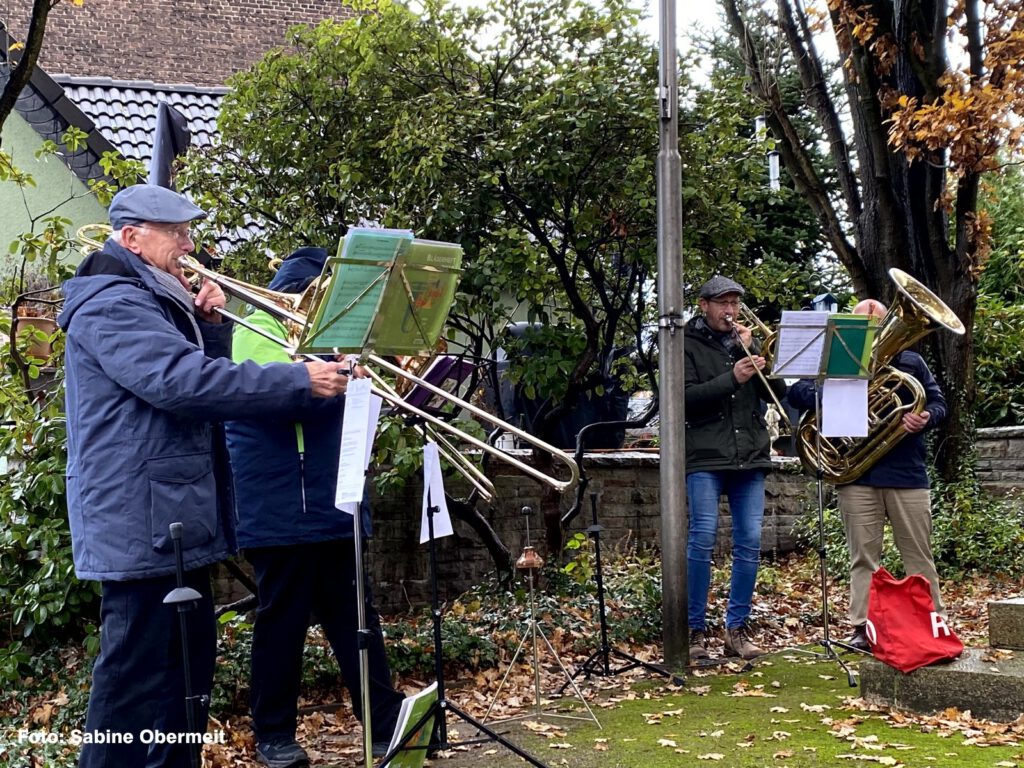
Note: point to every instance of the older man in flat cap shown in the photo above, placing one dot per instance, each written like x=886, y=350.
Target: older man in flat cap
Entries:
x=727, y=451
x=148, y=379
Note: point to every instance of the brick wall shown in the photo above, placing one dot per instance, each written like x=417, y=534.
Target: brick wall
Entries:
x=201, y=42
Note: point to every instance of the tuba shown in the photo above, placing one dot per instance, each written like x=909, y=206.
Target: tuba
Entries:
x=915, y=313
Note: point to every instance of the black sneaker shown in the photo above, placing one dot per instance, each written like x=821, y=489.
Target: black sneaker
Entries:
x=859, y=639
x=281, y=753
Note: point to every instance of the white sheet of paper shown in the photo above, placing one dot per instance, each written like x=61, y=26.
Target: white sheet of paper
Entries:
x=434, y=483
x=801, y=344
x=844, y=408
x=373, y=418
x=355, y=444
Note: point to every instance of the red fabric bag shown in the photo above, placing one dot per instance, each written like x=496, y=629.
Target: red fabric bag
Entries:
x=903, y=628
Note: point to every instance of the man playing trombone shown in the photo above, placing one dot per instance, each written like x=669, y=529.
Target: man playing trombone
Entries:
x=301, y=547
x=147, y=378
x=727, y=451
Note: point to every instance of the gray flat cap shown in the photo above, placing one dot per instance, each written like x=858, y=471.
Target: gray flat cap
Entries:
x=148, y=202
x=719, y=286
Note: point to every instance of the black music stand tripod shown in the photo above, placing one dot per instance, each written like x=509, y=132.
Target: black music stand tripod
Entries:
x=833, y=339
x=185, y=599
x=444, y=706
x=599, y=662
x=829, y=645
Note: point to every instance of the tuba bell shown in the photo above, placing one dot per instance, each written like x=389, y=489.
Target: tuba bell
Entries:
x=915, y=313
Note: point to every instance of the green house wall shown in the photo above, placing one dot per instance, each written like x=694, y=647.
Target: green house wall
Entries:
x=57, y=192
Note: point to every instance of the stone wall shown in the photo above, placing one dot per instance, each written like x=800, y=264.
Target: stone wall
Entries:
x=1001, y=459
x=627, y=486
x=201, y=42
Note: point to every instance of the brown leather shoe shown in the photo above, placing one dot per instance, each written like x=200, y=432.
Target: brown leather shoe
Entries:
x=698, y=645
x=859, y=639
x=737, y=643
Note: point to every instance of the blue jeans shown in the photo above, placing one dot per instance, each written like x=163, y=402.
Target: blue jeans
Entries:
x=745, y=491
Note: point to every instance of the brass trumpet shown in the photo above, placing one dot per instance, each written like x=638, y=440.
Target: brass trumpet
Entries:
x=293, y=309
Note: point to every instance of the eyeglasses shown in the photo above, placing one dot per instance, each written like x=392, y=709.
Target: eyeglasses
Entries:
x=735, y=303
x=180, y=232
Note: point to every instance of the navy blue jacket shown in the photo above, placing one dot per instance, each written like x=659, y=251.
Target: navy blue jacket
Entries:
x=904, y=466
x=286, y=469
x=141, y=398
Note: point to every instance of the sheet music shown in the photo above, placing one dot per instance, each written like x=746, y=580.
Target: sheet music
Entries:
x=801, y=344
x=433, y=488
x=355, y=444
x=844, y=408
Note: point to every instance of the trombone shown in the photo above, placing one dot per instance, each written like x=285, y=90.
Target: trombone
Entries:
x=293, y=310
x=767, y=348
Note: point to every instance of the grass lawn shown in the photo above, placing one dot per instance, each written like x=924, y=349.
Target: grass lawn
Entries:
x=789, y=711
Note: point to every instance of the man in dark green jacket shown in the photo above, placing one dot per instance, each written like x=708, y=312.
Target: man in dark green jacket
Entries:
x=727, y=451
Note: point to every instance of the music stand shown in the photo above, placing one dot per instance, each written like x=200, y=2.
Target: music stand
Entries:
x=823, y=346
x=443, y=706
x=599, y=662
x=530, y=562
x=185, y=600
x=387, y=293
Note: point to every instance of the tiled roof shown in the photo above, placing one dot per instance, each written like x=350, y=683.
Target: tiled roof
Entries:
x=125, y=111
x=45, y=106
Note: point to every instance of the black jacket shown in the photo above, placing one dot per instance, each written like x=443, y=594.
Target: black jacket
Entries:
x=725, y=426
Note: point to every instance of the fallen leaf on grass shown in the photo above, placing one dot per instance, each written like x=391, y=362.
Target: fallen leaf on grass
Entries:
x=711, y=756
x=666, y=743
x=881, y=759
x=816, y=708
x=780, y=710
x=782, y=754
x=560, y=745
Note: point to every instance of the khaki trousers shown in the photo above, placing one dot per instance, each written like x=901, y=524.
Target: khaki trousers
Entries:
x=864, y=510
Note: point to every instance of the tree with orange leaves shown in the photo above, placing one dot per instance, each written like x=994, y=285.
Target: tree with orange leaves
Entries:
x=923, y=100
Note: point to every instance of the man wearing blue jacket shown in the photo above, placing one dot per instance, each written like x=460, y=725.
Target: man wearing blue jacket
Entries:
x=895, y=488
x=147, y=378
x=301, y=548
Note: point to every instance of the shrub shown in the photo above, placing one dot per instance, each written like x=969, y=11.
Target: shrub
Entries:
x=41, y=601
x=976, y=532
x=999, y=363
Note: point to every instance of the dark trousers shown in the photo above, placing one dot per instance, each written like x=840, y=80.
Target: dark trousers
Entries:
x=138, y=681
x=295, y=582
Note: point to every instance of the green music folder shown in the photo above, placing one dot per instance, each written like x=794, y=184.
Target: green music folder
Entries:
x=388, y=293
x=848, y=346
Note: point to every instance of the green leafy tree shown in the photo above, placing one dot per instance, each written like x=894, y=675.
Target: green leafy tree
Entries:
x=534, y=147
x=999, y=325
x=909, y=159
